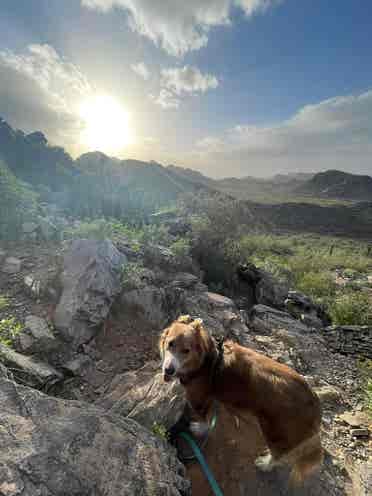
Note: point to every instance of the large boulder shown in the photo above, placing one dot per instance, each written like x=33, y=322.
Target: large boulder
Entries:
x=54, y=447
x=90, y=282
x=266, y=290
x=302, y=307
x=264, y=319
x=143, y=396
x=37, y=337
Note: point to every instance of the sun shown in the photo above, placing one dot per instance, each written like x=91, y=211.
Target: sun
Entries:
x=106, y=125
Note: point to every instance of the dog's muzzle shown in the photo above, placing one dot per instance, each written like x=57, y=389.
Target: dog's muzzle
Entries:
x=169, y=373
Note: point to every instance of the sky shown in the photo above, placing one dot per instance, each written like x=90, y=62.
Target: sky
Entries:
x=226, y=87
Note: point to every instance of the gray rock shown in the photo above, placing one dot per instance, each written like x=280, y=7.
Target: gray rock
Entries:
x=270, y=291
x=302, y=307
x=350, y=340
x=26, y=370
x=29, y=227
x=91, y=282
x=264, y=319
x=144, y=396
x=52, y=447
x=36, y=337
x=78, y=365
x=360, y=432
x=12, y=265
x=48, y=230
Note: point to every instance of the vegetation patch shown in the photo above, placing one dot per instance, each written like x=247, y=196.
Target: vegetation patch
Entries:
x=160, y=430
x=4, y=303
x=9, y=330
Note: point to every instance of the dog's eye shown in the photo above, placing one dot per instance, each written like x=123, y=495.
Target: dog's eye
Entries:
x=170, y=344
x=185, y=351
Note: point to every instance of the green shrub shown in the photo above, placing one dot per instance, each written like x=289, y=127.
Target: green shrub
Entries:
x=317, y=285
x=18, y=204
x=133, y=275
x=9, y=329
x=160, y=430
x=351, y=308
x=181, y=248
x=4, y=302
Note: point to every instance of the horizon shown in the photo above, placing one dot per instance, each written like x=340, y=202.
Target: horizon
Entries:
x=171, y=83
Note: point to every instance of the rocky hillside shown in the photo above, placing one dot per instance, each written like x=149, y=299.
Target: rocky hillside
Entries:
x=337, y=184
x=84, y=409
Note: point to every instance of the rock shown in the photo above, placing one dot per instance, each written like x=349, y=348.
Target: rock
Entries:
x=302, y=307
x=355, y=419
x=185, y=280
x=264, y=319
x=328, y=394
x=268, y=291
x=48, y=230
x=90, y=282
x=36, y=337
x=145, y=397
x=361, y=475
x=26, y=370
x=29, y=227
x=54, y=447
x=12, y=265
x=148, y=304
x=78, y=365
x=350, y=340
x=359, y=432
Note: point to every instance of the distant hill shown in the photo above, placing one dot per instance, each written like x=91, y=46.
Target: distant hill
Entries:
x=338, y=184
x=32, y=159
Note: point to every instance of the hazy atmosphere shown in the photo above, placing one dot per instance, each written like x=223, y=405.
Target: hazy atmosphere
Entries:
x=227, y=87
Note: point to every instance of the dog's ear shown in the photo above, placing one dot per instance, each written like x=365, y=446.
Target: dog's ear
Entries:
x=184, y=319
x=162, y=338
x=205, y=341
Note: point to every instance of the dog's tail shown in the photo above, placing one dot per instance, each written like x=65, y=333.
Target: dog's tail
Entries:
x=308, y=461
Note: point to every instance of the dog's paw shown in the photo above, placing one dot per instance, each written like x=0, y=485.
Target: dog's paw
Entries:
x=264, y=462
x=198, y=429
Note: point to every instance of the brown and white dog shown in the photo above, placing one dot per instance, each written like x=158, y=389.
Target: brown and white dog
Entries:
x=246, y=381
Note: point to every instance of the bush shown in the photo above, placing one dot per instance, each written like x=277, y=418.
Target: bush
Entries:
x=133, y=275
x=9, y=329
x=18, y=204
x=351, y=308
x=317, y=285
x=4, y=302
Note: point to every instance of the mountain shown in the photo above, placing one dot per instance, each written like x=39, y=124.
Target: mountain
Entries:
x=32, y=159
x=338, y=184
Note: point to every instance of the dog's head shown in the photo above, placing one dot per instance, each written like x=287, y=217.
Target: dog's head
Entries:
x=183, y=347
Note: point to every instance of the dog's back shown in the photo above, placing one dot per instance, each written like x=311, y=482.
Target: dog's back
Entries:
x=287, y=409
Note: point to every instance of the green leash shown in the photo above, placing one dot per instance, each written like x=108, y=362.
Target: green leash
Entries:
x=200, y=457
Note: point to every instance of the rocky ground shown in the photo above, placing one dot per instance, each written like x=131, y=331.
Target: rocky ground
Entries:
x=86, y=335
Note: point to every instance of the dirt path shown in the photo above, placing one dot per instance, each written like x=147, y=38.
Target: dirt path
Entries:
x=230, y=453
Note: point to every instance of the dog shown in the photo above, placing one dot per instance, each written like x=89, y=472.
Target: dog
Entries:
x=286, y=408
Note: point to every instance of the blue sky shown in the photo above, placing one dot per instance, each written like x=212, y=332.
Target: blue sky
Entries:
x=228, y=87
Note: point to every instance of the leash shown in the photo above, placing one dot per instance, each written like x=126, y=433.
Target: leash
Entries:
x=200, y=457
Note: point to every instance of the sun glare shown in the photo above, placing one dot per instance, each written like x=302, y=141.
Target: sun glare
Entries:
x=106, y=124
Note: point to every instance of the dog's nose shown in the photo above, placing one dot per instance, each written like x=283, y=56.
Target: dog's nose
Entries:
x=170, y=370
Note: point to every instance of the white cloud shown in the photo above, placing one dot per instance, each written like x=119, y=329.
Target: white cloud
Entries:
x=187, y=79
x=141, y=70
x=178, y=26
x=335, y=133
x=41, y=90
x=166, y=99
x=179, y=81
